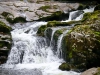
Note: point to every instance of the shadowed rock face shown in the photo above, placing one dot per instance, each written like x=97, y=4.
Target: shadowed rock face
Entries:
x=5, y=42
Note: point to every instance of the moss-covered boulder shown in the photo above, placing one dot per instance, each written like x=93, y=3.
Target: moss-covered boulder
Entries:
x=81, y=45
x=65, y=66
x=5, y=41
x=10, y=18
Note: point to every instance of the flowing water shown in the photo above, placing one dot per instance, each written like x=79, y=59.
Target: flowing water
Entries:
x=78, y=15
x=30, y=54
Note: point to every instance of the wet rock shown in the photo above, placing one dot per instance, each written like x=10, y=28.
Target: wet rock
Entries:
x=81, y=45
x=5, y=42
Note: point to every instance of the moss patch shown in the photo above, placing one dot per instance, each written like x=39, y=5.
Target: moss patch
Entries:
x=53, y=24
x=44, y=8
x=90, y=18
x=41, y=30
x=64, y=66
x=10, y=18
x=4, y=28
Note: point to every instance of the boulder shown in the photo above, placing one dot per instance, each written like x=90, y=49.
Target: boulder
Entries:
x=81, y=45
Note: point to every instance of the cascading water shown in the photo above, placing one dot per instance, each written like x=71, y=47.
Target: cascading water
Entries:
x=59, y=42
x=30, y=54
x=78, y=15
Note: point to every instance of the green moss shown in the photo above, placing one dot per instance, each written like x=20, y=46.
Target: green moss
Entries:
x=64, y=66
x=55, y=24
x=78, y=43
x=41, y=30
x=10, y=18
x=58, y=23
x=58, y=33
x=97, y=33
x=19, y=19
x=44, y=8
x=5, y=14
x=90, y=18
x=4, y=27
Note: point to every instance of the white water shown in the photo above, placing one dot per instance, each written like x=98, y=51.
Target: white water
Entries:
x=59, y=42
x=79, y=15
x=30, y=51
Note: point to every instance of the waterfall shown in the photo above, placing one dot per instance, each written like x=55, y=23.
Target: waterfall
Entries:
x=78, y=15
x=30, y=54
x=59, y=42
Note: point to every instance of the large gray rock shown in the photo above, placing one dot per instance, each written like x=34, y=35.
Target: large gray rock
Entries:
x=34, y=10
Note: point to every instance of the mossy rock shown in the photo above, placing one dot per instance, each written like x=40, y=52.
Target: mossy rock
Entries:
x=44, y=8
x=5, y=41
x=19, y=19
x=68, y=67
x=64, y=67
x=4, y=28
x=58, y=33
x=41, y=30
x=83, y=41
x=54, y=24
x=90, y=18
x=58, y=23
x=58, y=16
x=10, y=18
